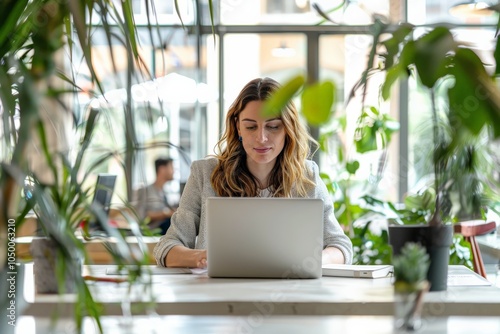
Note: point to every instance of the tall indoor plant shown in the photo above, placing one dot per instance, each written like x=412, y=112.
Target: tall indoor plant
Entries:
x=434, y=57
x=37, y=90
x=431, y=58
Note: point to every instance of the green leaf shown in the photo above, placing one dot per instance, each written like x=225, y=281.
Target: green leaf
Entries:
x=496, y=8
x=323, y=142
x=377, y=29
x=368, y=140
x=282, y=96
x=407, y=57
x=392, y=75
x=431, y=51
x=422, y=201
x=331, y=185
x=496, y=55
x=212, y=22
x=393, y=44
x=340, y=154
x=178, y=11
x=475, y=98
x=317, y=102
x=325, y=14
x=374, y=111
x=11, y=14
x=130, y=26
x=352, y=167
x=81, y=30
x=412, y=264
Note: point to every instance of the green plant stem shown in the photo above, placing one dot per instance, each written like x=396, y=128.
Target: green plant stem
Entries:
x=435, y=219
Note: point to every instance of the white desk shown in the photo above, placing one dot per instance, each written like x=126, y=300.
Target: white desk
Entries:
x=264, y=325
x=190, y=294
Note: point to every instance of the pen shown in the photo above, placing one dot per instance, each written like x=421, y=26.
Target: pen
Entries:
x=104, y=279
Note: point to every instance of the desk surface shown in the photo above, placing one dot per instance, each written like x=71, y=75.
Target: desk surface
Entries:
x=260, y=325
x=197, y=294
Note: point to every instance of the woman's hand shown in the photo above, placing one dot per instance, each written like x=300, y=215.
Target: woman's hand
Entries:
x=180, y=256
x=203, y=262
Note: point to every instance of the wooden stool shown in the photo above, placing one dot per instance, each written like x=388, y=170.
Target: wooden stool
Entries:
x=470, y=229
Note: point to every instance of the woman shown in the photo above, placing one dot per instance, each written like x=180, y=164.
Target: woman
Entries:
x=258, y=156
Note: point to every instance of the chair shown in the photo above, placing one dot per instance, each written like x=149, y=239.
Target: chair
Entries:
x=470, y=229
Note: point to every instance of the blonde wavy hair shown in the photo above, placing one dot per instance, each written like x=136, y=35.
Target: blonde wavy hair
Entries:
x=231, y=177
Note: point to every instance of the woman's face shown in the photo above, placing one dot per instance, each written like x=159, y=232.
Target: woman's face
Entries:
x=263, y=138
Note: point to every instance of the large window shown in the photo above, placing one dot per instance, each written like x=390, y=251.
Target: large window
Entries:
x=342, y=59
x=249, y=56
x=170, y=101
x=199, y=78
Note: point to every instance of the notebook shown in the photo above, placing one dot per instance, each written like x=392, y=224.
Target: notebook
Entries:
x=264, y=237
x=361, y=271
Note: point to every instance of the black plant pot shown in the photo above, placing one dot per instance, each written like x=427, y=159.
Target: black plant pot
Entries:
x=436, y=240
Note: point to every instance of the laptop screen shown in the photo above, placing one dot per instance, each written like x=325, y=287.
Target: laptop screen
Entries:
x=103, y=193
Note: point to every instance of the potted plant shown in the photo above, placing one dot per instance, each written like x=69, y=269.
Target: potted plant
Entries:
x=410, y=285
x=432, y=58
x=37, y=89
x=451, y=60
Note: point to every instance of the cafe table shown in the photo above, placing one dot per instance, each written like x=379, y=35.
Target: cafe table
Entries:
x=192, y=293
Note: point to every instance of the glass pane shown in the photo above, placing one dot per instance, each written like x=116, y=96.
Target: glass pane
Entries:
x=169, y=110
x=343, y=59
x=437, y=11
x=299, y=12
x=248, y=56
x=163, y=12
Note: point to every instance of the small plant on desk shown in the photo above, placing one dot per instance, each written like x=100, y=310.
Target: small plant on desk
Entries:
x=410, y=285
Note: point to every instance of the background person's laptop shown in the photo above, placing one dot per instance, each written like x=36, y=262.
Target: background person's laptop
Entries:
x=103, y=193
x=264, y=237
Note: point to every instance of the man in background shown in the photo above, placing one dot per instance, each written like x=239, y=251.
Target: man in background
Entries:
x=151, y=201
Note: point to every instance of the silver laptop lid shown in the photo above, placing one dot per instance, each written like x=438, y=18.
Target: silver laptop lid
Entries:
x=264, y=237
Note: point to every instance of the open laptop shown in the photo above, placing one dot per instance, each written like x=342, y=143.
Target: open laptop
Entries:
x=264, y=237
x=103, y=193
